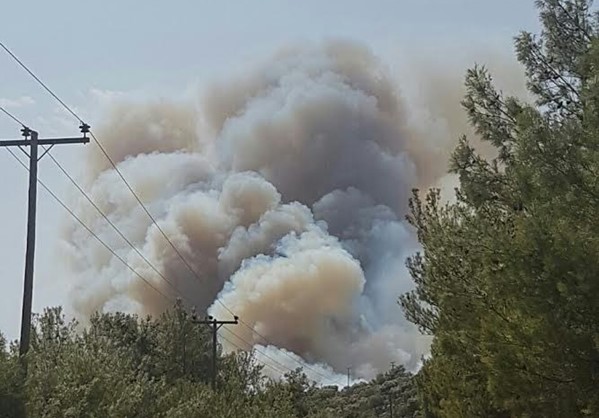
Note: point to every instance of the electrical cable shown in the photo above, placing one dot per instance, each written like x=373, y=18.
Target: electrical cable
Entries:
x=143, y=206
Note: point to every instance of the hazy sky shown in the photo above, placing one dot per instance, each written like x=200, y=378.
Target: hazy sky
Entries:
x=90, y=51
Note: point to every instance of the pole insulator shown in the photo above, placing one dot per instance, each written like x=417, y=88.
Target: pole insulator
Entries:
x=84, y=129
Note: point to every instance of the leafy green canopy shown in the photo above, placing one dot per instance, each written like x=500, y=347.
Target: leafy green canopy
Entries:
x=124, y=366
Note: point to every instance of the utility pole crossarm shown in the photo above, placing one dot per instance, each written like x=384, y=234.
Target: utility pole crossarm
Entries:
x=210, y=320
x=33, y=142
x=215, y=325
x=47, y=141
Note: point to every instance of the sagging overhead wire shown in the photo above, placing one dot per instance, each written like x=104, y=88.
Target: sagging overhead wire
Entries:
x=137, y=198
x=13, y=117
x=92, y=233
x=124, y=262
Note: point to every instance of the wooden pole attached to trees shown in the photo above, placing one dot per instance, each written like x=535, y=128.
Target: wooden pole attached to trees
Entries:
x=215, y=325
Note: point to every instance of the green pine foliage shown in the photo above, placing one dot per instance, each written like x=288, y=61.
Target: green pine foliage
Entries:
x=508, y=279
x=11, y=388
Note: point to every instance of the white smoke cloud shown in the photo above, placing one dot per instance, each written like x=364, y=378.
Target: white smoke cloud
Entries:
x=285, y=192
x=300, y=299
x=279, y=361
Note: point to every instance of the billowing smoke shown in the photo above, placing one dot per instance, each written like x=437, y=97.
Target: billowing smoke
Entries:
x=285, y=192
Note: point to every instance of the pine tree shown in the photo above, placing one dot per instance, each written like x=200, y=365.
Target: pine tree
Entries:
x=508, y=279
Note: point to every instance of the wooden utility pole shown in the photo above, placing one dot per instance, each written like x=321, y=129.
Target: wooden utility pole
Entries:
x=215, y=325
x=33, y=142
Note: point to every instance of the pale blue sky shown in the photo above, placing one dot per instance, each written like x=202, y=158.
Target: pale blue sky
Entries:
x=164, y=49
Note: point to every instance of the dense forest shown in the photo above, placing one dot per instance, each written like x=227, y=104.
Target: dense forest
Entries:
x=125, y=366
x=506, y=283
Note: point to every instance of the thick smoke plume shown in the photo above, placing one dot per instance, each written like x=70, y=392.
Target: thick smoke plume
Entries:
x=285, y=192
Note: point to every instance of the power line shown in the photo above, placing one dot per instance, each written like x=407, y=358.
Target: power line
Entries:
x=65, y=207
x=55, y=96
x=10, y=115
x=170, y=299
x=9, y=52
x=125, y=239
x=287, y=368
x=47, y=150
x=112, y=163
x=157, y=271
x=107, y=219
x=129, y=243
x=150, y=264
x=214, y=325
x=218, y=300
x=145, y=209
x=283, y=369
x=275, y=361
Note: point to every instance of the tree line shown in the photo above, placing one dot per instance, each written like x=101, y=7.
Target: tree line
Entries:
x=125, y=366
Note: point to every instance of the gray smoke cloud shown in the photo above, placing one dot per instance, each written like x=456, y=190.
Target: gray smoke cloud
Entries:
x=285, y=191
